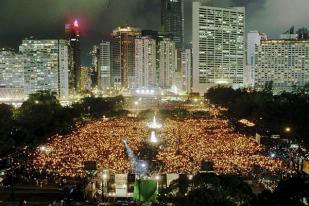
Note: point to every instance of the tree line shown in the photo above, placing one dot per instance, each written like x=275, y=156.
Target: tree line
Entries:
x=42, y=115
x=209, y=189
x=286, y=114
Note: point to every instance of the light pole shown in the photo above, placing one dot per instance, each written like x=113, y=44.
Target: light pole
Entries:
x=157, y=179
x=104, y=178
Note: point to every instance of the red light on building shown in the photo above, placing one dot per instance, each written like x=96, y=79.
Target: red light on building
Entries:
x=76, y=23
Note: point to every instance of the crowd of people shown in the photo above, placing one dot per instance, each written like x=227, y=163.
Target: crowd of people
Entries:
x=99, y=141
x=191, y=141
x=186, y=143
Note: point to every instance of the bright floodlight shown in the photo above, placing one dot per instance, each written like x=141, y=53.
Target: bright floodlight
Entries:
x=44, y=149
x=154, y=124
x=153, y=138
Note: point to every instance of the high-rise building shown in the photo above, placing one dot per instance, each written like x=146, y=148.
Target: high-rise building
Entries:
x=46, y=65
x=85, y=79
x=254, y=39
x=167, y=62
x=186, y=61
x=72, y=34
x=94, y=70
x=172, y=20
x=218, y=46
x=145, y=62
x=123, y=56
x=104, y=65
x=11, y=75
x=11, y=69
x=282, y=63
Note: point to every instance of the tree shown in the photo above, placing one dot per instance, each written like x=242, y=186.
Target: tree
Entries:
x=268, y=87
x=6, y=128
x=293, y=191
x=208, y=189
x=39, y=116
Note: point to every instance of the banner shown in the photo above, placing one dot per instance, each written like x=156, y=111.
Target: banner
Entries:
x=145, y=190
x=306, y=166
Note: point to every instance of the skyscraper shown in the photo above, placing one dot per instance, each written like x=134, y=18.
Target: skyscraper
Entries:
x=172, y=20
x=254, y=39
x=85, y=79
x=284, y=63
x=94, y=70
x=45, y=66
x=167, y=58
x=11, y=75
x=123, y=56
x=218, y=46
x=186, y=60
x=72, y=34
x=145, y=62
x=104, y=69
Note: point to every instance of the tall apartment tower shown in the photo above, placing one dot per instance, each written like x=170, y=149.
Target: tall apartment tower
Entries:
x=172, y=20
x=94, y=69
x=254, y=39
x=46, y=65
x=186, y=61
x=167, y=58
x=145, y=62
x=72, y=34
x=11, y=75
x=218, y=46
x=123, y=56
x=283, y=62
x=104, y=71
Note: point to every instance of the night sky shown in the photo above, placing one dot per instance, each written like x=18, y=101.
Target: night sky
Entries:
x=46, y=18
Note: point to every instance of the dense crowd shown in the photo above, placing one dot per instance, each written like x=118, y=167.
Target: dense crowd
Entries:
x=190, y=141
x=100, y=141
x=187, y=142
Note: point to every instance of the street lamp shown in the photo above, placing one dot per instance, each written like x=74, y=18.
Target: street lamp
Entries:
x=157, y=177
x=104, y=178
x=288, y=129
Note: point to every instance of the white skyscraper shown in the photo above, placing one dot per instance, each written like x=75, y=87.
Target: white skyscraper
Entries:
x=145, y=62
x=218, y=46
x=104, y=73
x=46, y=66
x=167, y=57
x=186, y=60
x=253, y=40
x=284, y=63
x=11, y=75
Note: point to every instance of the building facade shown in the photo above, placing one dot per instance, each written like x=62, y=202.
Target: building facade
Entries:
x=254, y=39
x=104, y=65
x=123, y=56
x=72, y=34
x=94, y=70
x=46, y=64
x=172, y=20
x=167, y=63
x=218, y=46
x=186, y=61
x=145, y=62
x=85, y=79
x=284, y=63
x=11, y=75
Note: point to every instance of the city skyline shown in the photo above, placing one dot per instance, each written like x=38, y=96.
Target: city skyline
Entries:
x=46, y=20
